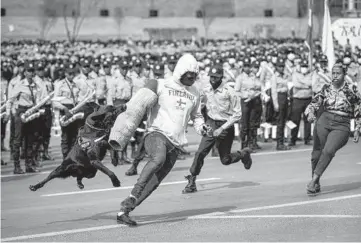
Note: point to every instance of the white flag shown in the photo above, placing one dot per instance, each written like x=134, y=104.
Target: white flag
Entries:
x=327, y=41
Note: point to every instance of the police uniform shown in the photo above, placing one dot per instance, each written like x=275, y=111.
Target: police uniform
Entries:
x=68, y=91
x=302, y=96
x=279, y=91
x=27, y=93
x=4, y=87
x=249, y=88
x=223, y=110
x=47, y=118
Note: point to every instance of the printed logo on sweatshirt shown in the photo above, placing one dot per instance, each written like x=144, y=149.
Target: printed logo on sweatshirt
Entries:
x=182, y=94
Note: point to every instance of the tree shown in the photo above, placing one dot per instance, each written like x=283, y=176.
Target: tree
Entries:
x=207, y=17
x=47, y=17
x=79, y=12
x=118, y=16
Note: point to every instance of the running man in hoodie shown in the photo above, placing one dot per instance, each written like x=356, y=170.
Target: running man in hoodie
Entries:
x=178, y=102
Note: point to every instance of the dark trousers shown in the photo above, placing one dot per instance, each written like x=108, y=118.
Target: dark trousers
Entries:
x=251, y=118
x=30, y=132
x=102, y=101
x=224, y=146
x=46, y=131
x=331, y=133
x=12, y=136
x=163, y=155
x=3, y=130
x=281, y=117
x=298, y=107
x=68, y=134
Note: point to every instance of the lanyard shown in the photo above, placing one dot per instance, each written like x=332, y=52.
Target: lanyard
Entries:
x=71, y=91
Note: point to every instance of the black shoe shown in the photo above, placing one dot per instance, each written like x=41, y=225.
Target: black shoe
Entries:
x=31, y=169
x=291, y=144
x=46, y=156
x=18, y=170
x=131, y=171
x=282, y=147
x=191, y=186
x=3, y=162
x=246, y=158
x=308, y=142
x=125, y=219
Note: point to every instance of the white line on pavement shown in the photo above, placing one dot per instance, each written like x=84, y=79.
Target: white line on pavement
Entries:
x=271, y=216
x=120, y=188
x=295, y=203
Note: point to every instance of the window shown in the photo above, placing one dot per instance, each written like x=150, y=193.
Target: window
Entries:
x=104, y=12
x=268, y=13
x=153, y=13
x=3, y=12
x=199, y=14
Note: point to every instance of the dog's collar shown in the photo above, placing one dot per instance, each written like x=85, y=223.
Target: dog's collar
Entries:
x=95, y=128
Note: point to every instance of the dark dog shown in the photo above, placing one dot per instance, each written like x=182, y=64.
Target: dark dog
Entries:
x=84, y=159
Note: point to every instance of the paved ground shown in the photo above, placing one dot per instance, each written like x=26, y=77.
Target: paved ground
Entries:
x=267, y=203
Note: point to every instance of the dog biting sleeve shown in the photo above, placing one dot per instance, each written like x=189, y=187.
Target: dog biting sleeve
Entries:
x=128, y=121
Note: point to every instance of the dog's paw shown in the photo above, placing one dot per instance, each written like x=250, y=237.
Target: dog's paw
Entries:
x=33, y=188
x=81, y=186
x=116, y=182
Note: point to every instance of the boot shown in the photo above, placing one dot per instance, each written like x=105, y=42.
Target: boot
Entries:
x=30, y=167
x=191, y=186
x=46, y=155
x=17, y=168
x=3, y=162
x=245, y=157
x=132, y=171
x=254, y=140
x=281, y=146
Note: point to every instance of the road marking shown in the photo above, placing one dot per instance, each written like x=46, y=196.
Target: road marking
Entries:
x=26, y=174
x=65, y=232
x=271, y=216
x=120, y=188
x=295, y=204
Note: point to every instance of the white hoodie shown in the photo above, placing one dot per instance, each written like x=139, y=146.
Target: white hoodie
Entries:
x=177, y=104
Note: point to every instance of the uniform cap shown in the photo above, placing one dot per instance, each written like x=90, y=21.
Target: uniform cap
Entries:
x=216, y=71
x=29, y=66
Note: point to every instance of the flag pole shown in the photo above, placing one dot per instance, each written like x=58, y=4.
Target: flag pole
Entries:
x=310, y=19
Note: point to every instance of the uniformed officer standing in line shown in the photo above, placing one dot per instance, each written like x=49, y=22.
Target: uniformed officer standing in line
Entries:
x=27, y=93
x=223, y=110
x=249, y=88
x=302, y=96
x=171, y=63
x=120, y=92
x=100, y=83
x=279, y=90
x=13, y=82
x=4, y=88
x=47, y=118
x=87, y=89
x=158, y=71
x=68, y=91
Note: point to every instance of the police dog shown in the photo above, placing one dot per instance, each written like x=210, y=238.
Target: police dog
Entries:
x=85, y=157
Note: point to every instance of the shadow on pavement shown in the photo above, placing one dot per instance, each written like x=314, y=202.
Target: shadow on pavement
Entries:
x=341, y=187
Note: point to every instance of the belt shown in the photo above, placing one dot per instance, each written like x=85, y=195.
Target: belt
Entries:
x=340, y=113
